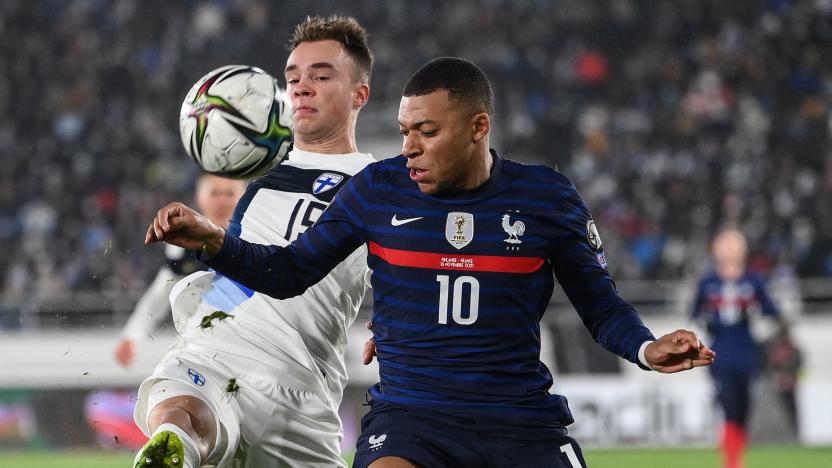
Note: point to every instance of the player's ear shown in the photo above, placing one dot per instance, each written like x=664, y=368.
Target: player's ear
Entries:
x=361, y=92
x=480, y=126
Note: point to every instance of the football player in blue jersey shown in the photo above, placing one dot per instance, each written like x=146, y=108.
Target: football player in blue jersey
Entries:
x=726, y=302
x=465, y=246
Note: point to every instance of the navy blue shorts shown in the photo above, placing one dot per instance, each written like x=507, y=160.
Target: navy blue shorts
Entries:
x=433, y=439
x=733, y=390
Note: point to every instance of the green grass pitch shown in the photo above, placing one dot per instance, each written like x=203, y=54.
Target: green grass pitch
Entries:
x=758, y=457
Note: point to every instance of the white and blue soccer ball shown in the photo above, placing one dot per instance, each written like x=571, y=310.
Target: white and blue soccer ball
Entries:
x=236, y=122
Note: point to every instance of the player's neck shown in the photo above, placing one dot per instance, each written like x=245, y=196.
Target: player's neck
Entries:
x=340, y=140
x=731, y=271
x=343, y=144
x=481, y=171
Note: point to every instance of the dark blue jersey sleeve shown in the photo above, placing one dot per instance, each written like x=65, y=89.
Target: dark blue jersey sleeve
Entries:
x=283, y=272
x=699, y=301
x=767, y=306
x=580, y=267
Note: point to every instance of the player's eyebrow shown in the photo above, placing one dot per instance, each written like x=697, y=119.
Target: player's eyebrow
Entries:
x=419, y=123
x=317, y=65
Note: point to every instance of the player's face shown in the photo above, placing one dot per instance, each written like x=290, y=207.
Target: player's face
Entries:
x=438, y=143
x=320, y=80
x=216, y=197
x=730, y=251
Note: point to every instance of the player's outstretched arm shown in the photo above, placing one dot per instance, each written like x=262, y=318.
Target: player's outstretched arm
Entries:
x=678, y=351
x=179, y=225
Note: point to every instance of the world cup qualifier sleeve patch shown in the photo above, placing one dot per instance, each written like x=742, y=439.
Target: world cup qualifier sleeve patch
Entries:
x=592, y=235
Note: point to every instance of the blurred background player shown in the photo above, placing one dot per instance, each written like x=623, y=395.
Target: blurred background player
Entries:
x=784, y=360
x=727, y=300
x=255, y=380
x=216, y=198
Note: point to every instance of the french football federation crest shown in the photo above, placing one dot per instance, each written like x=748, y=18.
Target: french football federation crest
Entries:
x=459, y=229
x=592, y=235
x=514, y=230
x=326, y=181
x=376, y=441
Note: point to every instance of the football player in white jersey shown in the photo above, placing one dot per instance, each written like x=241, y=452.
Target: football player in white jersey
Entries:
x=216, y=198
x=255, y=381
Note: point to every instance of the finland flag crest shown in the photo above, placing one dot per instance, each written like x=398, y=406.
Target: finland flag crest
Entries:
x=326, y=181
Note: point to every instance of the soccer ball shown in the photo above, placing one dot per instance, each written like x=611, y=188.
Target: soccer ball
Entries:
x=236, y=122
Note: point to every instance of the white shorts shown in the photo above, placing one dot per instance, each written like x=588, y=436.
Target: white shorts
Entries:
x=269, y=422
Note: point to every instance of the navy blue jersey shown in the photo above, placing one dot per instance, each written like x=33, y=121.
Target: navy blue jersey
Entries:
x=460, y=284
x=726, y=309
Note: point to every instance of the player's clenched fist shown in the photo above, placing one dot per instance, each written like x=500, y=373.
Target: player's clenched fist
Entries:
x=678, y=351
x=179, y=225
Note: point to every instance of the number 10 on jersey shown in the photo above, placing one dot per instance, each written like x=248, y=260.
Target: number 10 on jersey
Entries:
x=455, y=299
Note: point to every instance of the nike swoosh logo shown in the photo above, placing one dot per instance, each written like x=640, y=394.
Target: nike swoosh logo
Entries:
x=399, y=222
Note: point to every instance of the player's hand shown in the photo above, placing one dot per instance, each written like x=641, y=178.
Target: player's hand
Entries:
x=369, y=347
x=678, y=351
x=179, y=225
x=125, y=351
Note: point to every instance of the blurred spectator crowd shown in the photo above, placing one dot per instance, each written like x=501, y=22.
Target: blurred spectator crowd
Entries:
x=672, y=118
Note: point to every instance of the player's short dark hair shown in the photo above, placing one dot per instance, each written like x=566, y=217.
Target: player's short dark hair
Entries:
x=464, y=81
x=344, y=29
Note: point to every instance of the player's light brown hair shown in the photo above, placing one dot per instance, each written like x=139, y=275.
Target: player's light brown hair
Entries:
x=344, y=29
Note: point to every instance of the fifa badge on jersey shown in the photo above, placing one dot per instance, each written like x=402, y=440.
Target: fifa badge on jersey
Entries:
x=326, y=181
x=592, y=235
x=459, y=229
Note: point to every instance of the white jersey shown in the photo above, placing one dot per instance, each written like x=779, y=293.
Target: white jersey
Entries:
x=307, y=332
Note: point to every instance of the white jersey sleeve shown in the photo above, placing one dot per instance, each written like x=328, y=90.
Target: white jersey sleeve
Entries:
x=151, y=308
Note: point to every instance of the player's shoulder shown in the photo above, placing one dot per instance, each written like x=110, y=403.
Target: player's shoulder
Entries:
x=710, y=277
x=310, y=173
x=539, y=177
x=349, y=164
x=393, y=164
x=387, y=170
x=754, y=278
x=540, y=172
